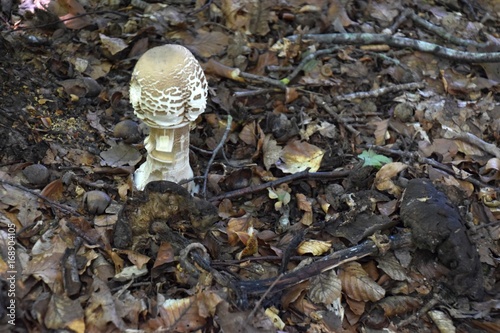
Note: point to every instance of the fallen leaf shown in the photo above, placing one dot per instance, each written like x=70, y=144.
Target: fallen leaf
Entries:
x=298, y=156
x=325, y=288
x=314, y=247
x=358, y=285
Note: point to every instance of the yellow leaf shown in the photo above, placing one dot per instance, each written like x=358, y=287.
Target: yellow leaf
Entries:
x=315, y=247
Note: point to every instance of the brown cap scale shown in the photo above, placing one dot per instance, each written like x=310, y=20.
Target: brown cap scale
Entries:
x=168, y=90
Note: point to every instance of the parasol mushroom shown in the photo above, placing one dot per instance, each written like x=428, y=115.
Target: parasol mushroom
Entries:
x=168, y=91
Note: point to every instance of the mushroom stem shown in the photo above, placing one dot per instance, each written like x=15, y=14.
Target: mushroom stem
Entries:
x=168, y=156
x=168, y=91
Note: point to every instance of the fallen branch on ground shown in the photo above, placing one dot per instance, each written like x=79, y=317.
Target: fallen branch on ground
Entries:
x=401, y=42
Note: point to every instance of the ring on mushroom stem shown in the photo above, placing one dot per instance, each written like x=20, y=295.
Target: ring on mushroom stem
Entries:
x=168, y=90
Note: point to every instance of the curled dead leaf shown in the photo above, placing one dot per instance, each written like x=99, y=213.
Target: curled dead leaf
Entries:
x=383, y=179
x=315, y=247
x=298, y=156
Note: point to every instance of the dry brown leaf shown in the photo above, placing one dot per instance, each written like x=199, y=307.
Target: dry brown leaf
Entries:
x=190, y=313
x=71, y=12
x=251, y=16
x=303, y=203
x=208, y=44
x=181, y=315
x=398, y=305
x=325, y=288
x=358, y=285
x=236, y=225
x=112, y=44
x=54, y=190
x=251, y=244
x=101, y=309
x=391, y=266
x=165, y=254
x=338, y=15
x=383, y=178
x=298, y=156
x=315, y=247
x=135, y=258
x=64, y=313
x=271, y=151
x=241, y=322
x=307, y=219
x=249, y=134
x=357, y=307
x=381, y=127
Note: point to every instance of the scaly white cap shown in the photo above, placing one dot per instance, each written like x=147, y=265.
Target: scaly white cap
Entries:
x=168, y=87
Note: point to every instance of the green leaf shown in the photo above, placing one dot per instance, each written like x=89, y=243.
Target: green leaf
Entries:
x=373, y=159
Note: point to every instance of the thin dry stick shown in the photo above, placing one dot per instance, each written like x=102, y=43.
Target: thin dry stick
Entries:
x=304, y=62
x=324, y=264
x=335, y=116
x=293, y=177
x=258, y=304
x=273, y=82
x=58, y=206
x=371, y=39
x=214, y=154
x=416, y=157
x=380, y=92
x=474, y=140
x=440, y=31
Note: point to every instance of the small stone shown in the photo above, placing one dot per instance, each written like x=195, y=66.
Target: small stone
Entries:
x=96, y=202
x=403, y=112
x=37, y=174
x=128, y=131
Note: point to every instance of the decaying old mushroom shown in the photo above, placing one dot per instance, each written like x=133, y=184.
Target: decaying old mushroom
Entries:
x=168, y=91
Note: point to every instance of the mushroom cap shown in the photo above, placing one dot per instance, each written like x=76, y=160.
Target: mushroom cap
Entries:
x=168, y=87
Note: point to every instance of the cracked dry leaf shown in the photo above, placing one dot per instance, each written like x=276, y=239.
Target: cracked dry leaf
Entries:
x=326, y=288
x=357, y=284
x=190, y=313
x=391, y=266
x=121, y=155
x=298, y=156
x=271, y=152
x=398, y=305
x=315, y=247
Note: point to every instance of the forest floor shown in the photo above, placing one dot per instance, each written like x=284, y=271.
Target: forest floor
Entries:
x=347, y=167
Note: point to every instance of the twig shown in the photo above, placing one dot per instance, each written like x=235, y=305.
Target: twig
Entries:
x=440, y=31
x=414, y=156
x=335, y=116
x=304, y=62
x=61, y=207
x=258, y=304
x=326, y=263
x=380, y=92
x=293, y=177
x=83, y=181
x=248, y=93
x=474, y=140
x=273, y=82
x=214, y=154
x=370, y=39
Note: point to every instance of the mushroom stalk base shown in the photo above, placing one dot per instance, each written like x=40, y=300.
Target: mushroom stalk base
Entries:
x=168, y=157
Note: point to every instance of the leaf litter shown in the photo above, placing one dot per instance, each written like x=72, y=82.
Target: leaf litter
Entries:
x=302, y=225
